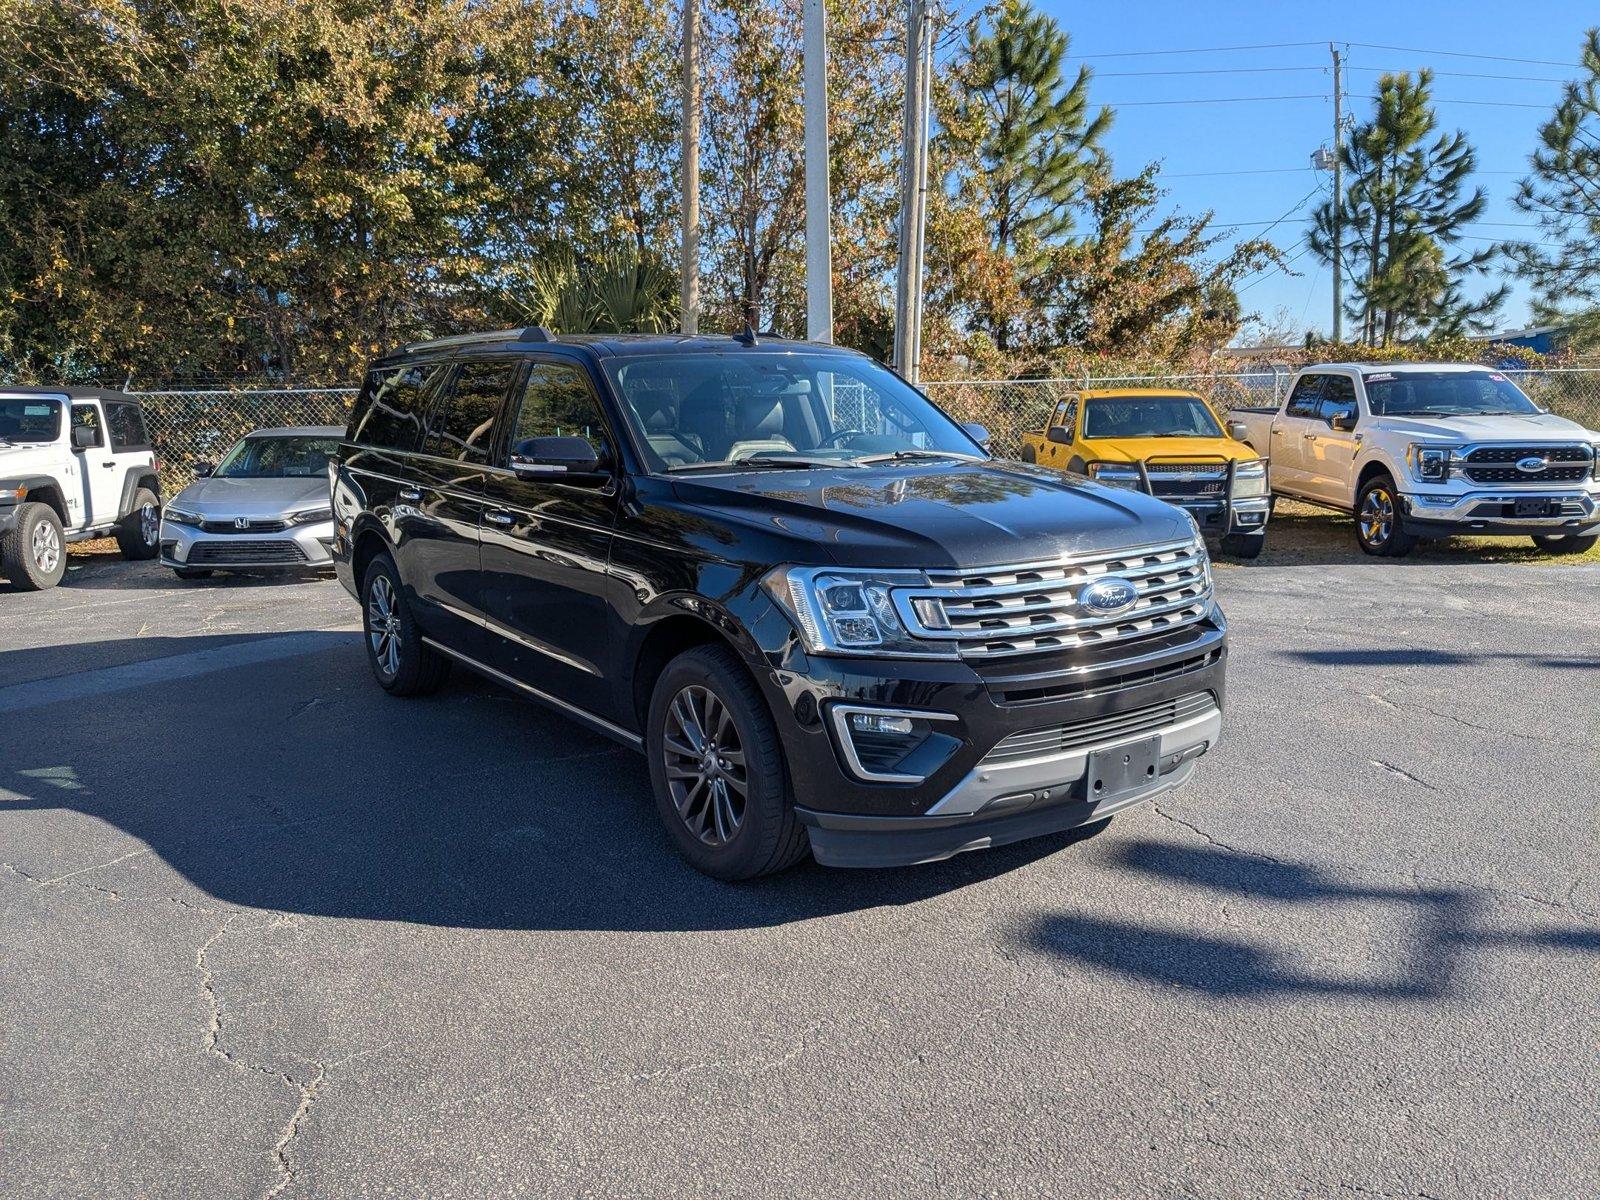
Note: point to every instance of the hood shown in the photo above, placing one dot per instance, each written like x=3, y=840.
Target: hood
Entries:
x=28, y=458
x=942, y=514
x=1168, y=448
x=212, y=498
x=1534, y=427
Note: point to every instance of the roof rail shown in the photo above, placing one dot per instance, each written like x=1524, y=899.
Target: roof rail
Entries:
x=530, y=333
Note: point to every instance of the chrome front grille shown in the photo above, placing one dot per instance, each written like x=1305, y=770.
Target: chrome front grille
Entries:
x=1498, y=464
x=1135, y=722
x=1034, y=608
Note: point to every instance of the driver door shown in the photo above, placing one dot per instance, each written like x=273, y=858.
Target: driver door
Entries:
x=1330, y=459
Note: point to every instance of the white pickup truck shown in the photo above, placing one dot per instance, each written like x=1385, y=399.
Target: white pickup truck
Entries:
x=1430, y=450
x=75, y=464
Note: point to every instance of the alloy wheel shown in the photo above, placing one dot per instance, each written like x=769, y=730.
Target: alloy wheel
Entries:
x=383, y=625
x=705, y=762
x=1377, y=517
x=46, y=547
x=149, y=524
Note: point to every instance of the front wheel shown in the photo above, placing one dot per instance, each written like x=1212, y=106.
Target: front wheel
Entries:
x=1565, y=543
x=32, y=552
x=402, y=662
x=717, y=770
x=1378, y=521
x=139, y=533
x=1244, y=545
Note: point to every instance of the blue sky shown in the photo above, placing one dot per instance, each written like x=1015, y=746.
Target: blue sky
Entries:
x=1270, y=142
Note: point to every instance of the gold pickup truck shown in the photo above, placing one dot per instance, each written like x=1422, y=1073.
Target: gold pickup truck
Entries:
x=1169, y=444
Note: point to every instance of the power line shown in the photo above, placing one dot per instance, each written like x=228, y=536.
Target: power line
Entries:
x=1205, y=71
x=1535, y=62
x=1224, y=100
x=1441, y=74
x=1201, y=50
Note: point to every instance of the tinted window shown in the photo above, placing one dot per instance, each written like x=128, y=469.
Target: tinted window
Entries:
x=1338, y=397
x=27, y=419
x=463, y=422
x=1149, y=416
x=557, y=401
x=1444, y=394
x=1303, y=400
x=87, y=416
x=126, y=424
x=389, y=413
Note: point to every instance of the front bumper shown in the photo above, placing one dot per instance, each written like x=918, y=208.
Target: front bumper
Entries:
x=298, y=548
x=1216, y=518
x=1493, y=512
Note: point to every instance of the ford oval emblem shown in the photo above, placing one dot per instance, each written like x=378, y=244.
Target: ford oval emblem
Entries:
x=1109, y=597
x=1531, y=465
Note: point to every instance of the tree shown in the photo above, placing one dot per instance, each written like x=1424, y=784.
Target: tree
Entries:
x=1403, y=213
x=1020, y=145
x=1562, y=193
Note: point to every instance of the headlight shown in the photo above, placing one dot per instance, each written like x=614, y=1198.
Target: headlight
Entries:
x=1118, y=474
x=312, y=516
x=850, y=612
x=1250, y=480
x=1594, y=450
x=179, y=517
x=1431, y=464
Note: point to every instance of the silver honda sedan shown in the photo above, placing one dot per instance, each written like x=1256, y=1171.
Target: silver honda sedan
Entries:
x=265, y=506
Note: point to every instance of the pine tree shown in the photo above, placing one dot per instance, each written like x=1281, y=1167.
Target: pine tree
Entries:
x=1562, y=193
x=1403, y=212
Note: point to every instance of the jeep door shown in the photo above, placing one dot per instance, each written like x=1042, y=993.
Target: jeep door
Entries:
x=101, y=481
x=546, y=545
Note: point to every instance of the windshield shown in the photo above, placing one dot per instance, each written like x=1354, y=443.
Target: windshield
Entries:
x=1444, y=394
x=1149, y=416
x=740, y=409
x=288, y=456
x=29, y=419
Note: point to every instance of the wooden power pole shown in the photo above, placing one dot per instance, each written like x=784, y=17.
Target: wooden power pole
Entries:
x=913, y=191
x=819, y=252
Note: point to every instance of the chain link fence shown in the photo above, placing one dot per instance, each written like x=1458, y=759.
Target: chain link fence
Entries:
x=190, y=427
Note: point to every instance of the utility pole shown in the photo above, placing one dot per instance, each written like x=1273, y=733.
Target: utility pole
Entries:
x=1338, y=195
x=689, y=248
x=913, y=191
x=819, y=253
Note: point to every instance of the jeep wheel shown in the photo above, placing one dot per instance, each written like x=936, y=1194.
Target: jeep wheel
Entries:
x=717, y=769
x=32, y=552
x=1565, y=543
x=403, y=663
x=1378, y=521
x=139, y=533
x=1244, y=545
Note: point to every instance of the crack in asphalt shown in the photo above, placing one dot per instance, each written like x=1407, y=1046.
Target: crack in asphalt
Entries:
x=1400, y=773
x=112, y=894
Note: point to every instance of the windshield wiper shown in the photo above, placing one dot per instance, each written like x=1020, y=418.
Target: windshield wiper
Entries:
x=903, y=455
x=763, y=461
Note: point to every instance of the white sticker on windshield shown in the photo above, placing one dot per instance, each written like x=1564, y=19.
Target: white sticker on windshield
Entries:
x=1497, y=377
x=1387, y=377
x=37, y=410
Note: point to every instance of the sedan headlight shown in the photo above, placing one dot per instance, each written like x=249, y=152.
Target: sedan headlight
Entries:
x=1250, y=480
x=1431, y=464
x=850, y=612
x=312, y=516
x=179, y=516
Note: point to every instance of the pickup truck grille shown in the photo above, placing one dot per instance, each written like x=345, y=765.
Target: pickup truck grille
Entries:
x=1034, y=608
x=1131, y=723
x=1498, y=464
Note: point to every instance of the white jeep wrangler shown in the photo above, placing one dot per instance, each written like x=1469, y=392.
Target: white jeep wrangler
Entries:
x=75, y=464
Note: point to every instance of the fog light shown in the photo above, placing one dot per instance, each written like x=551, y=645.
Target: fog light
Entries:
x=878, y=723
x=893, y=745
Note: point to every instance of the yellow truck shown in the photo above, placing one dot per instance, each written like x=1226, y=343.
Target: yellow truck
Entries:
x=1166, y=443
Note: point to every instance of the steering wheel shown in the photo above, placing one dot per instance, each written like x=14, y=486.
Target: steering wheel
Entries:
x=838, y=434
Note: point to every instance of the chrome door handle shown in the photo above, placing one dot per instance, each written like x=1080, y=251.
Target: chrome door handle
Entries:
x=503, y=519
x=411, y=495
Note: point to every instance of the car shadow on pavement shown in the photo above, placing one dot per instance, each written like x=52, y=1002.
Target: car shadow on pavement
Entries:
x=1444, y=926
x=1418, y=656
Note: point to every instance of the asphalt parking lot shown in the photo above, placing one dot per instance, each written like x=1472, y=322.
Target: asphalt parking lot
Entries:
x=267, y=932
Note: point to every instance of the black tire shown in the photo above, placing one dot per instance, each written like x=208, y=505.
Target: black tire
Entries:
x=402, y=663
x=1565, y=543
x=1244, y=545
x=139, y=533
x=766, y=836
x=192, y=572
x=1378, y=531
x=33, y=553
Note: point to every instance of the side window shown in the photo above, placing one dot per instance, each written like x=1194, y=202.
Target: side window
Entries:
x=1338, y=398
x=462, y=426
x=87, y=416
x=557, y=401
x=125, y=423
x=389, y=413
x=1304, y=399
x=1063, y=410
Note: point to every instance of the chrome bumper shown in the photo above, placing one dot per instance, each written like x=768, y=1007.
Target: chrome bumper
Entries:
x=1582, y=506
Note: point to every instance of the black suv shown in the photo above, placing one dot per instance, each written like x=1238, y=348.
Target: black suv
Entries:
x=828, y=618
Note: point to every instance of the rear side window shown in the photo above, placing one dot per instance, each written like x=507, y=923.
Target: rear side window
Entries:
x=389, y=413
x=126, y=425
x=1303, y=400
x=462, y=424
x=557, y=401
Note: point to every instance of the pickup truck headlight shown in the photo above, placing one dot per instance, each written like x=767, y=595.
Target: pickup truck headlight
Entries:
x=849, y=612
x=179, y=517
x=1120, y=474
x=1594, y=451
x=1250, y=480
x=312, y=516
x=1431, y=464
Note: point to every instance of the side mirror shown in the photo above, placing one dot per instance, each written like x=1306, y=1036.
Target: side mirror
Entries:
x=978, y=433
x=1238, y=431
x=555, y=458
x=1343, y=422
x=1059, y=434
x=203, y=470
x=85, y=436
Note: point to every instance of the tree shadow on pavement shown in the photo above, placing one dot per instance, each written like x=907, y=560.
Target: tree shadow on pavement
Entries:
x=1445, y=926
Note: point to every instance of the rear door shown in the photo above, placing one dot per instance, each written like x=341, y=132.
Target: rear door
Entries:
x=1300, y=416
x=547, y=545
x=101, y=482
